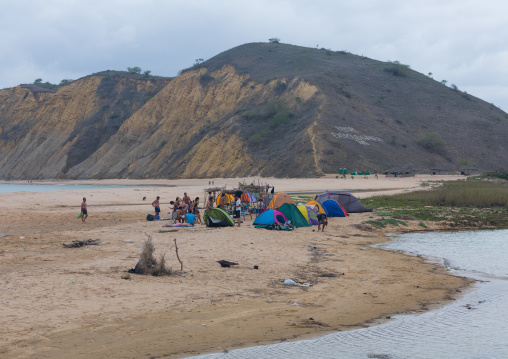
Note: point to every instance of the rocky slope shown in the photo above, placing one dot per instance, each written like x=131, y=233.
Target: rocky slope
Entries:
x=267, y=109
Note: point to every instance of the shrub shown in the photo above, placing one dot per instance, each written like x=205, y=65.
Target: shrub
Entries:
x=256, y=138
x=397, y=69
x=274, y=40
x=280, y=118
x=280, y=87
x=432, y=142
x=205, y=79
x=134, y=70
x=249, y=115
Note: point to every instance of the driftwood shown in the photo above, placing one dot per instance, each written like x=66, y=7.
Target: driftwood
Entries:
x=177, y=256
x=88, y=242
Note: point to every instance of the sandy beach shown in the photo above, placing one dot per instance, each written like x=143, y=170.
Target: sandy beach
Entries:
x=59, y=302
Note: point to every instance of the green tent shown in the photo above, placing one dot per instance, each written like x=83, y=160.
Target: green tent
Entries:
x=216, y=217
x=294, y=215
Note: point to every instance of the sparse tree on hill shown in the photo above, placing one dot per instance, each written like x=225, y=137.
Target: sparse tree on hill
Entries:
x=444, y=82
x=198, y=61
x=65, y=82
x=274, y=40
x=147, y=73
x=37, y=81
x=134, y=70
x=454, y=87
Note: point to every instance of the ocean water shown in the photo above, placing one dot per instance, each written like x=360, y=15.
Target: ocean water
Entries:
x=474, y=326
x=9, y=188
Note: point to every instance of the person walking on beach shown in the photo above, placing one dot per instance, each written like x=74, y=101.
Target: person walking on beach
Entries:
x=322, y=221
x=157, y=208
x=84, y=212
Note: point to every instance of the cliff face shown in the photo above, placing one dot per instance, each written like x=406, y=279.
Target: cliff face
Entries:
x=233, y=116
x=45, y=134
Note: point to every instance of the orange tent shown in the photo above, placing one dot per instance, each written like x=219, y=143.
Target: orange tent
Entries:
x=279, y=199
x=316, y=203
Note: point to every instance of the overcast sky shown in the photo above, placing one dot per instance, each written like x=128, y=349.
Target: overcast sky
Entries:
x=461, y=41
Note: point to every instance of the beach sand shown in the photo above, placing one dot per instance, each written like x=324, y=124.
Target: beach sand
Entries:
x=58, y=302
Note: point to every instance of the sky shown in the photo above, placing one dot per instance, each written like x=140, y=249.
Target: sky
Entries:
x=461, y=41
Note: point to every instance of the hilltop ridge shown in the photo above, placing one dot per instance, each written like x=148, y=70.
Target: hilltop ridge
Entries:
x=257, y=109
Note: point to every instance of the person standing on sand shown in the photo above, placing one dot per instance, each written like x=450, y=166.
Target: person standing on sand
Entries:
x=83, y=210
x=238, y=209
x=186, y=199
x=222, y=201
x=157, y=208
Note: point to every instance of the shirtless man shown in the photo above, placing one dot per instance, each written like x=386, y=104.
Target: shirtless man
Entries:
x=157, y=208
x=186, y=199
x=222, y=201
x=83, y=210
x=209, y=204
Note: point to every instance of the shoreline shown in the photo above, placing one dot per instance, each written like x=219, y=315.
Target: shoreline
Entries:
x=72, y=302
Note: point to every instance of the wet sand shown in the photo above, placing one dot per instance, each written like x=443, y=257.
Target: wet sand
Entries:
x=59, y=302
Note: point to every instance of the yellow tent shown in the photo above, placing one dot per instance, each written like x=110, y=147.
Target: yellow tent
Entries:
x=316, y=203
x=229, y=198
x=279, y=199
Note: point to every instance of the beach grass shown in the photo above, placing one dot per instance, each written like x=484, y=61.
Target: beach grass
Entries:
x=478, y=203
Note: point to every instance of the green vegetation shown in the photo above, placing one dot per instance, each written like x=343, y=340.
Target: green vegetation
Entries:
x=65, y=82
x=46, y=85
x=257, y=137
x=432, y=142
x=381, y=223
x=280, y=118
x=280, y=87
x=475, y=203
x=397, y=69
x=274, y=40
x=134, y=70
x=501, y=173
x=205, y=79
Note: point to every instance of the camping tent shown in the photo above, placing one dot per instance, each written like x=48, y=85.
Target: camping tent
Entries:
x=334, y=209
x=247, y=197
x=349, y=202
x=229, y=198
x=316, y=203
x=216, y=217
x=294, y=215
x=309, y=214
x=279, y=199
x=270, y=217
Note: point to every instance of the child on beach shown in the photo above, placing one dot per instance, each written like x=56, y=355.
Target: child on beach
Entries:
x=322, y=221
x=84, y=212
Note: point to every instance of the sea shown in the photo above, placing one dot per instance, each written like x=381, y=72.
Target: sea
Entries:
x=10, y=188
x=475, y=326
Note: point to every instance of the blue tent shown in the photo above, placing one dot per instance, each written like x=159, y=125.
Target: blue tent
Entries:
x=334, y=209
x=270, y=216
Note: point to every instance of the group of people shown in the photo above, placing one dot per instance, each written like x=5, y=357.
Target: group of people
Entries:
x=223, y=201
x=184, y=211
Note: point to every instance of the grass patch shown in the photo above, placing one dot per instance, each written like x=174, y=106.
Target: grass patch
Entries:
x=381, y=223
x=478, y=203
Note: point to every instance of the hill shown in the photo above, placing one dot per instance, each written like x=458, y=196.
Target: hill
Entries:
x=257, y=109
